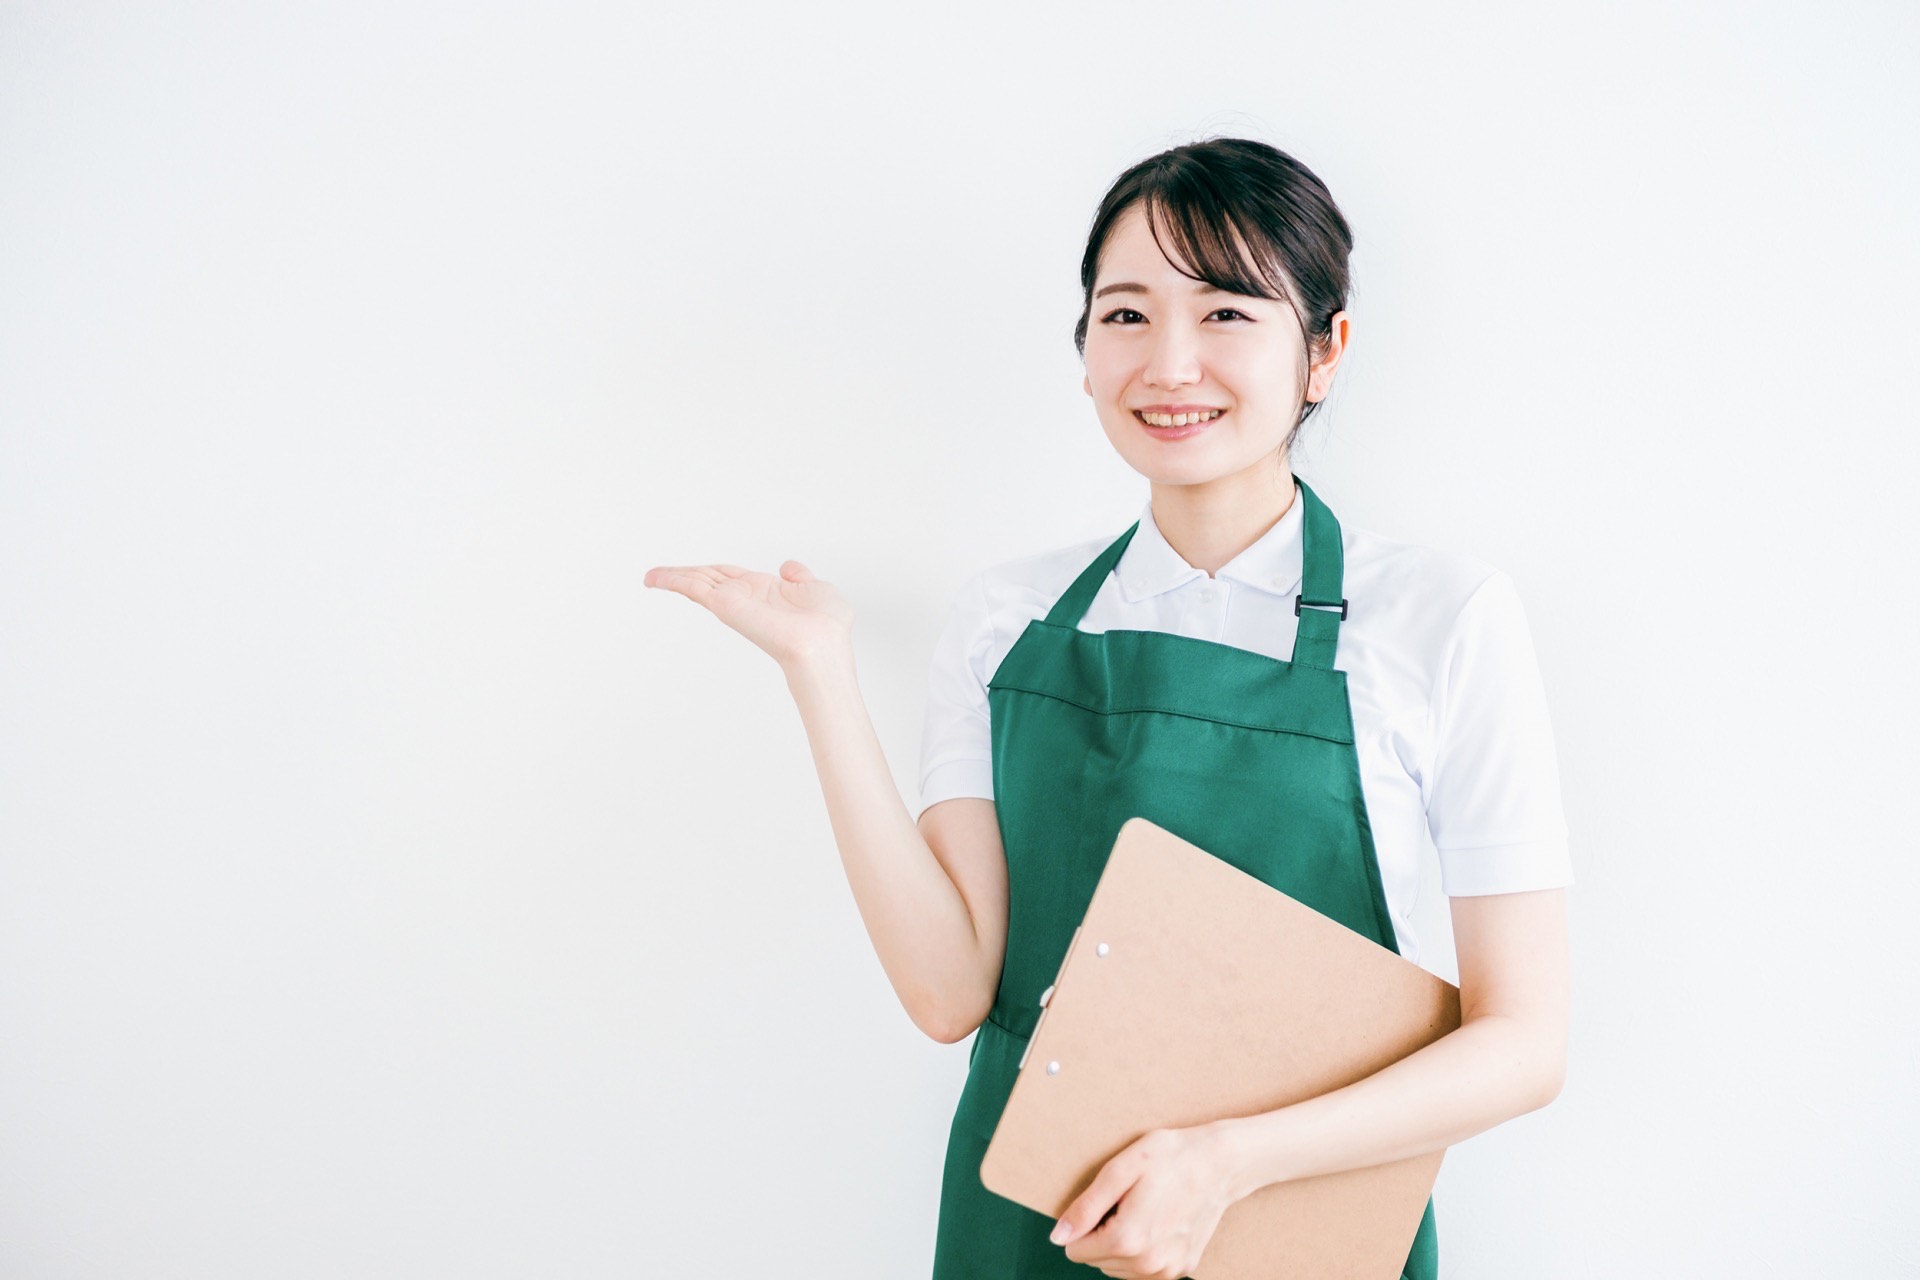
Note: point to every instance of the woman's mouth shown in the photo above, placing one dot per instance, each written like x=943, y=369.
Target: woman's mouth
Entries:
x=1177, y=426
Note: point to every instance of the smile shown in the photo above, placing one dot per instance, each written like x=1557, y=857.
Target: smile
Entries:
x=1178, y=426
x=1177, y=419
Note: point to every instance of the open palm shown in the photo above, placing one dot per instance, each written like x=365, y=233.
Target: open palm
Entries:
x=790, y=614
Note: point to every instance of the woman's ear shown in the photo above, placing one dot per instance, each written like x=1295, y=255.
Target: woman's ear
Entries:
x=1086, y=383
x=1340, y=335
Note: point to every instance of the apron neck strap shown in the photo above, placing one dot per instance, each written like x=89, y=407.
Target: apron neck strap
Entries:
x=1072, y=606
x=1322, y=573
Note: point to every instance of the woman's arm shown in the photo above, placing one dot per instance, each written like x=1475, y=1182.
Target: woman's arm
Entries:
x=1507, y=1057
x=935, y=905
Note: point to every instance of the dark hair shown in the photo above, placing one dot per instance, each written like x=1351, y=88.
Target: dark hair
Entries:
x=1206, y=192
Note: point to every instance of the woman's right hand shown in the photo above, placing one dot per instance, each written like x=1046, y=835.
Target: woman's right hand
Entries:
x=792, y=615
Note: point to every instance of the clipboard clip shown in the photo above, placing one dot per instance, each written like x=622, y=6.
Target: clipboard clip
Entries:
x=1046, y=996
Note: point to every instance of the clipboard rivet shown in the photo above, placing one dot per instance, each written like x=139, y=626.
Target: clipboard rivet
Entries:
x=1053, y=1068
x=1100, y=950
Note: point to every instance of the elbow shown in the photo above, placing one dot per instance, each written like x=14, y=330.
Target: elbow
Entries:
x=957, y=1025
x=1550, y=1078
x=1534, y=1062
x=1540, y=1059
x=945, y=1023
x=951, y=1006
x=947, y=1030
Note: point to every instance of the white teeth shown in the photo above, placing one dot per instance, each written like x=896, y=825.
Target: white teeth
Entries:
x=1180, y=419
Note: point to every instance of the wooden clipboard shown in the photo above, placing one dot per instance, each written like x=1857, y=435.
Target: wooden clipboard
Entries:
x=1193, y=991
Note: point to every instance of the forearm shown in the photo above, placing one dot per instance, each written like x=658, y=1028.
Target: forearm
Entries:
x=1487, y=1071
x=916, y=916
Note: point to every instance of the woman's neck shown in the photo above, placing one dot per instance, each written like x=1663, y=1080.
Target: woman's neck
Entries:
x=1211, y=524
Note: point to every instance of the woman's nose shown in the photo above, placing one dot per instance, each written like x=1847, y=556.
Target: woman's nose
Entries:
x=1174, y=360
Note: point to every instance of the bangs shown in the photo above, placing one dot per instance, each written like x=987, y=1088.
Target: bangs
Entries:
x=1214, y=245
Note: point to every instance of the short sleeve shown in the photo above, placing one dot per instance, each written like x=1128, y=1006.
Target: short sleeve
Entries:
x=956, y=745
x=1493, y=792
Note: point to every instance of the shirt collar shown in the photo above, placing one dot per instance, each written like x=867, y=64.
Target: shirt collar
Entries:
x=1150, y=565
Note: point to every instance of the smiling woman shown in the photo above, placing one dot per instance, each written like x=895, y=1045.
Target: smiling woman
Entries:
x=1259, y=299
x=1215, y=280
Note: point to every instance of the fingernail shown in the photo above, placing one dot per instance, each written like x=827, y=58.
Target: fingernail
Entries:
x=1061, y=1231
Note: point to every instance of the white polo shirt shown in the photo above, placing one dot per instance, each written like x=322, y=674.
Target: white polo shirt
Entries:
x=1450, y=719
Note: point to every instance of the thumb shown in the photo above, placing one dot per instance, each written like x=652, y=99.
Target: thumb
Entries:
x=794, y=571
x=1089, y=1210
x=1074, y=1222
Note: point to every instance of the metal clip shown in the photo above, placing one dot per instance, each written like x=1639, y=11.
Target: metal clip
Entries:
x=1320, y=604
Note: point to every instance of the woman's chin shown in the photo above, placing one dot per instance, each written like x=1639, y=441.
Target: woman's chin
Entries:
x=1159, y=471
x=1197, y=467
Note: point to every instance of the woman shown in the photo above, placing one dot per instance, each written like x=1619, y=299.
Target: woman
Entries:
x=1316, y=704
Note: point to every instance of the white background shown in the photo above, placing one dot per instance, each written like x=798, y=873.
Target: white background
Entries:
x=390, y=885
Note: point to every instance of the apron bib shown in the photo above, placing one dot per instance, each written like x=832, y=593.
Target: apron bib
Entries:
x=1249, y=757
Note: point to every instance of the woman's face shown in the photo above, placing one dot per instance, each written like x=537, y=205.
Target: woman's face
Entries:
x=1162, y=343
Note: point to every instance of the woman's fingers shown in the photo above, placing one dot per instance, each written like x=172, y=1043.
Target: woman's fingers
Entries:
x=668, y=575
x=789, y=614
x=695, y=576
x=713, y=586
x=709, y=572
x=694, y=581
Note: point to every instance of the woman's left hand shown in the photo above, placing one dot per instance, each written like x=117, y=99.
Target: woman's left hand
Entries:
x=1169, y=1189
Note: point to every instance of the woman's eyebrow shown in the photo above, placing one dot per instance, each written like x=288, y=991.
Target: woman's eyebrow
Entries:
x=1128, y=286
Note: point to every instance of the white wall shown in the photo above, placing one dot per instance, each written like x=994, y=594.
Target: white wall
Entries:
x=390, y=885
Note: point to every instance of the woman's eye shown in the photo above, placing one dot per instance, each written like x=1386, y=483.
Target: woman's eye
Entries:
x=1113, y=317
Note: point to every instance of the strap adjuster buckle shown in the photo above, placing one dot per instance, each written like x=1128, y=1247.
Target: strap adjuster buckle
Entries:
x=1321, y=604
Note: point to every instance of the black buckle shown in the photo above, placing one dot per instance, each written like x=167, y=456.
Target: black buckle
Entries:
x=1320, y=604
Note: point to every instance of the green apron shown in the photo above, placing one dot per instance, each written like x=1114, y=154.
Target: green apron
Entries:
x=1249, y=757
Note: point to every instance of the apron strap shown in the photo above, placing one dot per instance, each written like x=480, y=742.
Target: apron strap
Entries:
x=1322, y=572
x=1072, y=606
